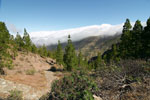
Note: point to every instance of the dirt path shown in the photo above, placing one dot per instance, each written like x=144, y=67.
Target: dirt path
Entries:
x=29, y=93
x=50, y=77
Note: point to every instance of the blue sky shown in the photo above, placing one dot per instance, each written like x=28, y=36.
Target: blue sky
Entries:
x=46, y=15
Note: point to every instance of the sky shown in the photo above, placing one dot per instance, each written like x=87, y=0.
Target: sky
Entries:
x=54, y=15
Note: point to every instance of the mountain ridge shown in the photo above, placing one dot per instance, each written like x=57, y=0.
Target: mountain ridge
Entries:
x=90, y=46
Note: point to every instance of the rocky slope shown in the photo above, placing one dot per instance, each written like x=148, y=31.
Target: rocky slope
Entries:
x=30, y=75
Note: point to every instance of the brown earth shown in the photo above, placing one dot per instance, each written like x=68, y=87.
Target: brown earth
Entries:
x=31, y=70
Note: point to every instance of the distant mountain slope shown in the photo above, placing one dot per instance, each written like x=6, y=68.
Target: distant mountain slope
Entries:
x=91, y=45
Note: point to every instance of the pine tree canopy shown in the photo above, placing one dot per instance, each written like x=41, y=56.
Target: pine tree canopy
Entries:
x=27, y=40
x=134, y=44
x=59, y=54
x=70, y=58
x=4, y=45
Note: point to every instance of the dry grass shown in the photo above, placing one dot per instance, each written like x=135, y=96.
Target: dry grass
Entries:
x=20, y=72
x=29, y=70
x=37, y=80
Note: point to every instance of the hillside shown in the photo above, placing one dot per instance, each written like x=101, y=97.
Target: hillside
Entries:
x=30, y=75
x=92, y=45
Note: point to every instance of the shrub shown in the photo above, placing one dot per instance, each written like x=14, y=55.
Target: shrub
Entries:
x=30, y=71
x=15, y=95
x=121, y=78
x=9, y=64
x=2, y=71
x=44, y=97
x=135, y=69
x=77, y=86
x=53, y=69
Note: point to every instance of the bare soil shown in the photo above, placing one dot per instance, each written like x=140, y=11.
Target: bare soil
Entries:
x=40, y=78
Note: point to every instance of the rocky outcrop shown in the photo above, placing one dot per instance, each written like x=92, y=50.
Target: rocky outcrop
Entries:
x=29, y=93
x=34, y=85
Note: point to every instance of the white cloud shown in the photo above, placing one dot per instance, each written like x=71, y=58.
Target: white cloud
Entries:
x=52, y=37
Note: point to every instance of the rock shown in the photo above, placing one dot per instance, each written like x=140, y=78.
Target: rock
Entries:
x=97, y=98
x=56, y=67
x=51, y=62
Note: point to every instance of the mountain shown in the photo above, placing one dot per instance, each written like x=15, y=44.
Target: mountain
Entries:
x=90, y=46
x=88, y=39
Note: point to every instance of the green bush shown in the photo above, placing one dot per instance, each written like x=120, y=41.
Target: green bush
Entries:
x=77, y=86
x=15, y=95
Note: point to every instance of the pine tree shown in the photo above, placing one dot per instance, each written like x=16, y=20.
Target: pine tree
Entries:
x=107, y=55
x=112, y=55
x=49, y=54
x=13, y=46
x=40, y=51
x=86, y=63
x=43, y=51
x=33, y=48
x=59, y=54
x=27, y=41
x=53, y=54
x=134, y=43
x=70, y=58
x=98, y=61
x=5, y=59
x=136, y=40
x=19, y=41
x=80, y=60
x=146, y=40
x=115, y=53
x=125, y=38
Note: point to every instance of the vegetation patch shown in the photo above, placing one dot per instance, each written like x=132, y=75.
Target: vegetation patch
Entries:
x=125, y=80
x=15, y=95
x=30, y=72
x=77, y=86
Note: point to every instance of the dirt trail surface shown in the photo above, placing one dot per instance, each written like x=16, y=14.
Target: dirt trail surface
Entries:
x=50, y=76
x=34, y=84
x=29, y=92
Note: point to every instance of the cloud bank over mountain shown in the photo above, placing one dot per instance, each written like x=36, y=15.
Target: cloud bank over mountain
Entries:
x=52, y=37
